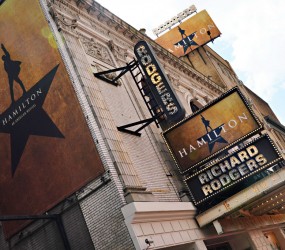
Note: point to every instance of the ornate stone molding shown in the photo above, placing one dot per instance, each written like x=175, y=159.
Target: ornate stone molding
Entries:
x=61, y=21
x=96, y=50
x=119, y=53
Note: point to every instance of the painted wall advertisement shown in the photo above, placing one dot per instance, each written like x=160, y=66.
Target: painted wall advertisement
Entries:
x=190, y=34
x=46, y=149
x=199, y=137
x=216, y=178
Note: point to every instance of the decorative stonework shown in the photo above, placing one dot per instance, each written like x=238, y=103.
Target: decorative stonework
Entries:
x=61, y=21
x=173, y=79
x=96, y=50
x=118, y=52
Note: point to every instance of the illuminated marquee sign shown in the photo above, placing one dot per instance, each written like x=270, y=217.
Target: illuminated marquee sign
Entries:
x=159, y=84
x=178, y=18
x=232, y=169
x=189, y=35
x=217, y=126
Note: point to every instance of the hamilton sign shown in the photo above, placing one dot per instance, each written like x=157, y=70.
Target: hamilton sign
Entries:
x=197, y=138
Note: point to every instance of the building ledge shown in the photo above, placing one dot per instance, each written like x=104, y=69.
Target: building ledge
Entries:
x=158, y=211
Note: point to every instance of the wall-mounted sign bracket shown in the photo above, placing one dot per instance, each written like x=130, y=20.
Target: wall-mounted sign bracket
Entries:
x=145, y=123
x=150, y=101
x=103, y=75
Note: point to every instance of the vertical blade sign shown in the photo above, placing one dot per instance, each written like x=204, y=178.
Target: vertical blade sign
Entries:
x=159, y=85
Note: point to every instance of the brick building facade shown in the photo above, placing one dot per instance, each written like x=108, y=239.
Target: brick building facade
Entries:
x=141, y=202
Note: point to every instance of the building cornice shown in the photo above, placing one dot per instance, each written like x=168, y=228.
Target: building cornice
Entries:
x=90, y=9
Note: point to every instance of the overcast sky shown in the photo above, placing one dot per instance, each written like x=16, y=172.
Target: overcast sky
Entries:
x=252, y=40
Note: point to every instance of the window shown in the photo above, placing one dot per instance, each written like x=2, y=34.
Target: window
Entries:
x=193, y=106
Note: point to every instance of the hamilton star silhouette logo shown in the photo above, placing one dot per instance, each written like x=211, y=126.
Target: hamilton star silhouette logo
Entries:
x=26, y=117
x=213, y=135
x=187, y=41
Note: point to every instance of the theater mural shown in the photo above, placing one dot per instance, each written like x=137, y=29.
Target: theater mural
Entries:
x=46, y=149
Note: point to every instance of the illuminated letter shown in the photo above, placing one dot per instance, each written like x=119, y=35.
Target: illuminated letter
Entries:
x=145, y=60
x=216, y=171
x=234, y=174
x=225, y=166
x=171, y=108
x=203, y=178
x=210, y=174
x=142, y=51
x=215, y=184
x=160, y=87
x=225, y=179
x=150, y=69
x=234, y=161
x=261, y=160
x=252, y=150
x=251, y=164
x=243, y=169
x=243, y=155
x=155, y=78
x=166, y=98
x=207, y=190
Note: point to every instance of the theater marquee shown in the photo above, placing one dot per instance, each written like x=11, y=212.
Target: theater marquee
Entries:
x=190, y=34
x=235, y=168
x=217, y=126
x=46, y=149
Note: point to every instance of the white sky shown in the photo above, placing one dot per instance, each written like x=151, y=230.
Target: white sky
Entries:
x=252, y=40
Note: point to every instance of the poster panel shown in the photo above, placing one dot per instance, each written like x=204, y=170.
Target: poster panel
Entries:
x=46, y=149
x=190, y=34
x=218, y=125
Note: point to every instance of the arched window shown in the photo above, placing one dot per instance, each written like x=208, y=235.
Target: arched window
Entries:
x=193, y=106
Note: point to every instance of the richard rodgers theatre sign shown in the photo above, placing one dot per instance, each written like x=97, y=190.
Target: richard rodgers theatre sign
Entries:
x=198, y=139
x=232, y=169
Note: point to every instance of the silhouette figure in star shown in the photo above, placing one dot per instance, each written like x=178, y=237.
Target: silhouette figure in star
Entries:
x=182, y=32
x=13, y=70
x=206, y=123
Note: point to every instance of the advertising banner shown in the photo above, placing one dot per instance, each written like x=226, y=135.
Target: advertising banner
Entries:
x=189, y=35
x=46, y=149
x=216, y=178
x=218, y=125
